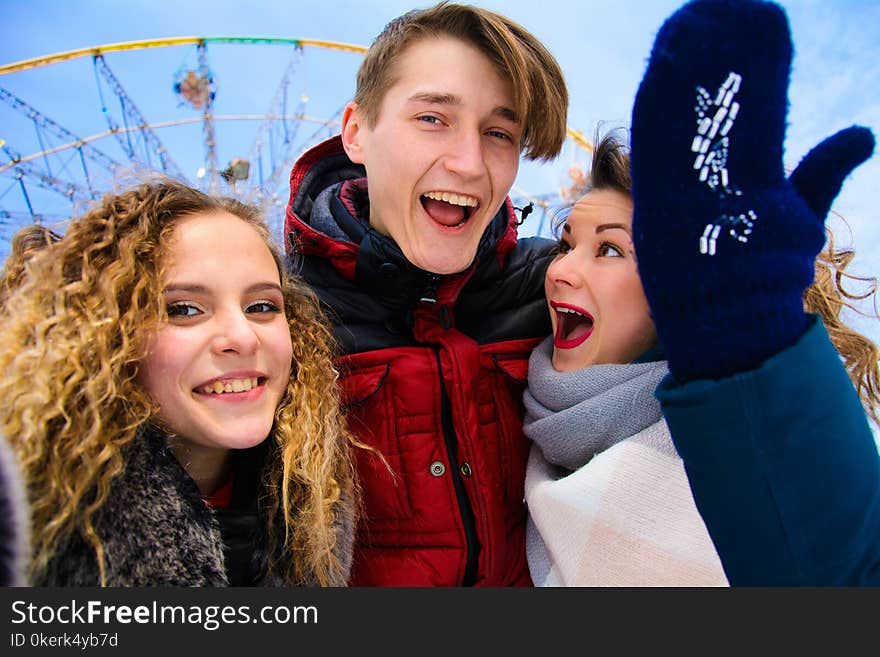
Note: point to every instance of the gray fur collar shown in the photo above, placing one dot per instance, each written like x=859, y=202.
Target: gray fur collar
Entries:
x=14, y=517
x=156, y=530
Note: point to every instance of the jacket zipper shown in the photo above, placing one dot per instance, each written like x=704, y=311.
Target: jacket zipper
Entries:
x=464, y=504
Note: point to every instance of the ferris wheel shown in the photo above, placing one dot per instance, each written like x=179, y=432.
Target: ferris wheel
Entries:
x=76, y=124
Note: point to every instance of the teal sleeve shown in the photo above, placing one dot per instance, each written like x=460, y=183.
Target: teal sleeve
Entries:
x=783, y=467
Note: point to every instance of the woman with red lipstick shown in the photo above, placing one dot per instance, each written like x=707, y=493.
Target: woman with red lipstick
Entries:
x=609, y=501
x=171, y=397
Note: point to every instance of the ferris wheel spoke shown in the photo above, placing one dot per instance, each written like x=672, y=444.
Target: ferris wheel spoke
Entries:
x=58, y=131
x=69, y=189
x=132, y=117
x=283, y=163
x=278, y=108
x=208, y=121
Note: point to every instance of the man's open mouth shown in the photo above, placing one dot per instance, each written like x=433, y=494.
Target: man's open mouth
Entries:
x=573, y=325
x=449, y=208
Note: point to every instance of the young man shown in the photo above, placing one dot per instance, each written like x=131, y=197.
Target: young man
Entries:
x=406, y=232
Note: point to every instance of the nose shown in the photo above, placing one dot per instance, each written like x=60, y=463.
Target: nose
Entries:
x=234, y=334
x=465, y=156
x=564, y=271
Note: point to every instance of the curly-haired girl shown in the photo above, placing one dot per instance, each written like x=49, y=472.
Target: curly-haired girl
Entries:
x=171, y=395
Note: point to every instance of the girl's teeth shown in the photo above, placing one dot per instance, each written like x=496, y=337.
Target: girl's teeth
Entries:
x=234, y=385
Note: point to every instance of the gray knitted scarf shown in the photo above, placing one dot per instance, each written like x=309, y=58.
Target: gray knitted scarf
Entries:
x=572, y=416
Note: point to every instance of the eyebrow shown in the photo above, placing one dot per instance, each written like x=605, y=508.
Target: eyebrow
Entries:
x=623, y=227
x=197, y=288
x=436, y=98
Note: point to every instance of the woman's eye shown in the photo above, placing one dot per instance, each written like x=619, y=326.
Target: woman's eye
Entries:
x=182, y=310
x=609, y=250
x=563, y=247
x=262, y=307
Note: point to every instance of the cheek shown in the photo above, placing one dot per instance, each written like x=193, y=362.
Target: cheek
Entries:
x=279, y=344
x=503, y=172
x=162, y=365
x=549, y=287
x=391, y=187
x=634, y=314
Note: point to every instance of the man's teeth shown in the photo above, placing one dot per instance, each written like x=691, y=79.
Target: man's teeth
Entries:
x=230, y=385
x=453, y=199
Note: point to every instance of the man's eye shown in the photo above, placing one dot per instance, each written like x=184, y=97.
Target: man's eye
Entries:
x=182, y=310
x=609, y=250
x=500, y=135
x=262, y=307
x=430, y=119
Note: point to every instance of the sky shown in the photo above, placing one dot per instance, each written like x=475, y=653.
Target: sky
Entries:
x=602, y=46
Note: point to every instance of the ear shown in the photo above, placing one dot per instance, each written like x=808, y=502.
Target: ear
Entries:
x=353, y=126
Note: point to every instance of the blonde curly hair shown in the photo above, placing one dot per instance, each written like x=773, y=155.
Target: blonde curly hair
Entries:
x=76, y=311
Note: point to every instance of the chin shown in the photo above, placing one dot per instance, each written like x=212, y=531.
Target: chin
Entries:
x=452, y=264
x=245, y=437
x=561, y=364
x=569, y=362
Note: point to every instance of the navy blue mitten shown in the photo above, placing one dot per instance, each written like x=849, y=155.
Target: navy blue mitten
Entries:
x=726, y=243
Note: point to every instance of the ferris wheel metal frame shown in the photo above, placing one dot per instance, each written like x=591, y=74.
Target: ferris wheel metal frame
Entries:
x=138, y=140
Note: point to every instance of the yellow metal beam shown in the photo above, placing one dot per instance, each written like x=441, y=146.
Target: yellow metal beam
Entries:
x=170, y=41
x=578, y=137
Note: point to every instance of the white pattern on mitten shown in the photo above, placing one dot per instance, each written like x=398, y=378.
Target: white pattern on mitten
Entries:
x=715, y=118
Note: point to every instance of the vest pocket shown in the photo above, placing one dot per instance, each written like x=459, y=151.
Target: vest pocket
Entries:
x=370, y=415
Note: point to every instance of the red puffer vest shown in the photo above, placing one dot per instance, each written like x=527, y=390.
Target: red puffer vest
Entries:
x=433, y=374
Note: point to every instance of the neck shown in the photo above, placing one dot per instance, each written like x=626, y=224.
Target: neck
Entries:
x=207, y=466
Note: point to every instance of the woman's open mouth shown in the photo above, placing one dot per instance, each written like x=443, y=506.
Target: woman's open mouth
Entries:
x=573, y=325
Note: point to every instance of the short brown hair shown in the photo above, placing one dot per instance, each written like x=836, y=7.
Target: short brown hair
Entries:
x=539, y=92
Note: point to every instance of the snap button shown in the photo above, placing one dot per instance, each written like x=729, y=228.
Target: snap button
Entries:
x=466, y=469
x=388, y=270
x=438, y=469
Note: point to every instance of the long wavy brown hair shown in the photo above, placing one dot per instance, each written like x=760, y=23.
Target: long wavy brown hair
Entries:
x=75, y=314
x=826, y=297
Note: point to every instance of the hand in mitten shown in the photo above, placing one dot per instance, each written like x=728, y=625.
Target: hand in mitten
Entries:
x=725, y=243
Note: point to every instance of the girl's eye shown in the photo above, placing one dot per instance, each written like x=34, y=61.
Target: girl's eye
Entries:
x=181, y=309
x=609, y=250
x=262, y=307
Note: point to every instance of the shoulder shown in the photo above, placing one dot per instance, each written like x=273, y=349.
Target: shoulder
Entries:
x=532, y=252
